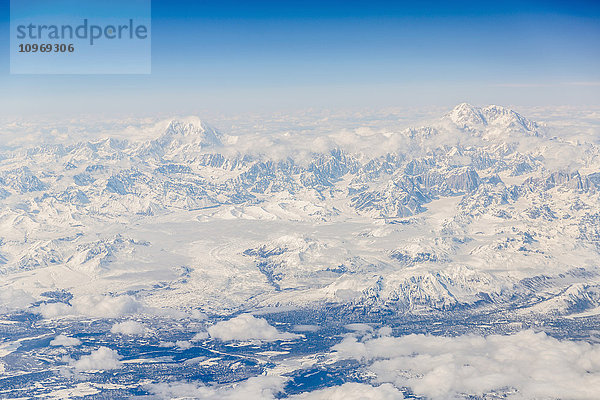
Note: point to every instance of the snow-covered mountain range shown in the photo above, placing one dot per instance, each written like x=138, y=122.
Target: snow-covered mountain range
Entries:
x=454, y=260
x=482, y=210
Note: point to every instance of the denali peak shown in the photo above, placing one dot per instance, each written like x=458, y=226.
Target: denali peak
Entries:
x=188, y=135
x=491, y=121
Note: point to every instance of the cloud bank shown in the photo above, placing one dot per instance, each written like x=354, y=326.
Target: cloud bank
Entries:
x=526, y=365
x=353, y=391
x=248, y=327
x=101, y=359
x=13, y=299
x=62, y=340
x=97, y=306
x=128, y=328
x=268, y=387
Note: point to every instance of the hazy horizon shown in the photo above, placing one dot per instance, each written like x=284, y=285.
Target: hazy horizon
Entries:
x=272, y=56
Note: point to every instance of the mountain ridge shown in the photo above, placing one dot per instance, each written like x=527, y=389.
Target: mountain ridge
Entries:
x=407, y=219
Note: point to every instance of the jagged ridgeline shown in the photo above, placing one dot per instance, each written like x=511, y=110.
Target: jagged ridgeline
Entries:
x=475, y=211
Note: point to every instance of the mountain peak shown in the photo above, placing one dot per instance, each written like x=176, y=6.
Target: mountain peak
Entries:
x=183, y=135
x=508, y=118
x=189, y=131
x=466, y=115
x=493, y=117
x=194, y=129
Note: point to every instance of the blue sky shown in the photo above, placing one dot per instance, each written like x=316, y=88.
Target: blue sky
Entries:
x=245, y=55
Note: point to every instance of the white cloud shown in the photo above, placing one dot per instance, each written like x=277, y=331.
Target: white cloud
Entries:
x=534, y=364
x=353, y=391
x=54, y=310
x=101, y=359
x=267, y=387
x=62, y=340
x=128, y=328
x=106, y=306
x=200, y=336
x=306, y=328
x=358, y=327
x=92, y=306
x=260, y=387
x=384, y=331
x=13, y=299
x=248, y=327
x=183, y=344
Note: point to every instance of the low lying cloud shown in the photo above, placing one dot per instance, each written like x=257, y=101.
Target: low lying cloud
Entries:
x=54, y=310
x=248, y=327
x=13, y=299
x=92, y=306
x=526, y=365
x=353, y=391
x=268, y=387
x=62, y=340
x=101, y=359
x=106, y=306
x=306, y=328
x=183, y=344
x=200, y=336
x=259, y=387
x=128, y=328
